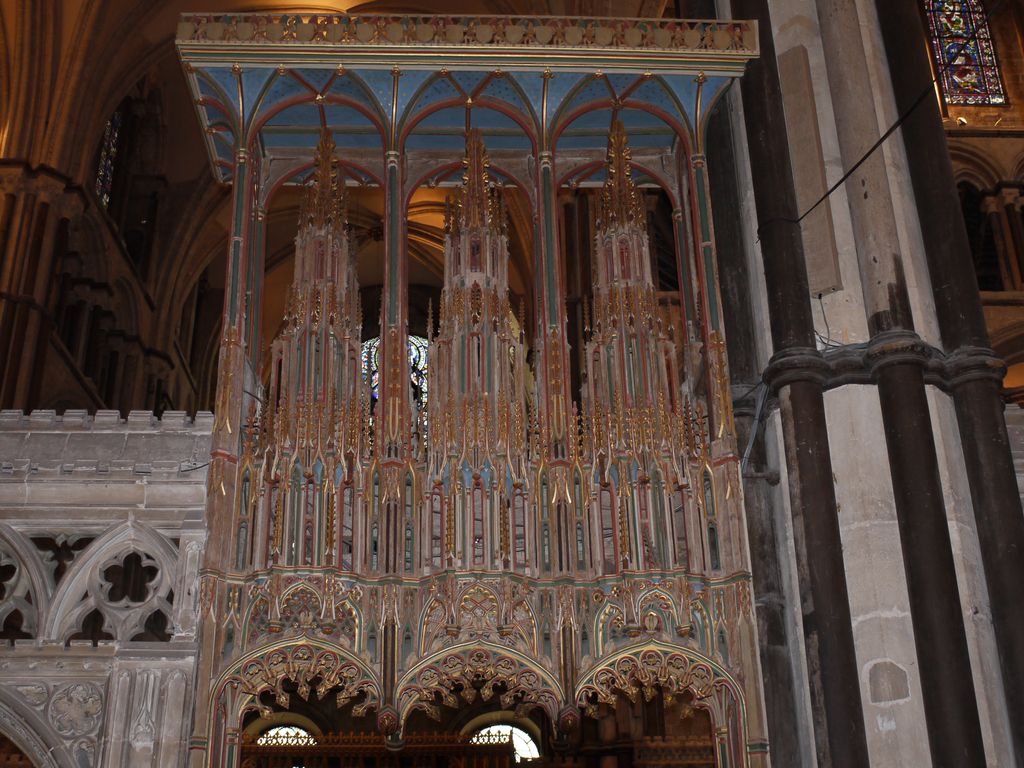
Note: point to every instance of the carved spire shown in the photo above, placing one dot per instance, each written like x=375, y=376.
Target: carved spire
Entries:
x=325, y=200
x=478, y=203
x=620, y=202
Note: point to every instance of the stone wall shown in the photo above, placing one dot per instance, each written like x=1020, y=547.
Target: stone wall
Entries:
x=101, y=535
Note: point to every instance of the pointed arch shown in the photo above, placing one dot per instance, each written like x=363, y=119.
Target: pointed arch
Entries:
x=525, y=681
x=83, y=579
x=30, y=732
x=264, y=669
x=40, y=581
x=642, y=669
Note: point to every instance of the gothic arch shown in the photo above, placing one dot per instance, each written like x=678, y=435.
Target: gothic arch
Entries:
x=68, y=605
x=1008, y=342
x=86, y=240
x=264, y=669
x=667, y=604
x=973, y=167
x=27, y=728
x=40, y=582
x=196, y=245
x=126, y=307
x=676, y=671
x=527, y=684
x=1018, y=168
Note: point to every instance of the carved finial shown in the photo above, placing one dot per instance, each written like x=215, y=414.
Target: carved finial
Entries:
x=620, y=203
x=430, y=318
x=324, y=202
x=478, y=203
x=474, y=198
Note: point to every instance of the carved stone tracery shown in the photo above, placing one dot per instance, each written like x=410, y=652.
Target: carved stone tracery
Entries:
x=311, y=669
x=459, y=677
x=645, y=673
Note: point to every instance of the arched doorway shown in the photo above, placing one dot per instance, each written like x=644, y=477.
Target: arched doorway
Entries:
x=11, y=756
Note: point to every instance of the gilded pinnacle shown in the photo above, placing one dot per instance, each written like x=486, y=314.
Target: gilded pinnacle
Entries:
x=324, y=203
x=620, y=202
x=478, y=202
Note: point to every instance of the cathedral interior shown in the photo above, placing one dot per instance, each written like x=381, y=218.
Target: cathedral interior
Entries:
x=583, y=384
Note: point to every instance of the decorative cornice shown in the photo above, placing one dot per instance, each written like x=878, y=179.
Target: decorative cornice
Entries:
x=724, y=39
x=104, y=421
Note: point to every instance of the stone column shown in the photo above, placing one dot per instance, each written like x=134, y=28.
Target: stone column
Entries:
x=995, y=215
x=32, y=207
x=1010, y=198
x=761, y=510
x=976, y=383
x=897, y=356
x=795, y=373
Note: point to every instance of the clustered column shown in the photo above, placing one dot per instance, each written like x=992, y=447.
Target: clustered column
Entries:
x=34, y=207
x=796, y=374
x=976, y=382
x=896, y=355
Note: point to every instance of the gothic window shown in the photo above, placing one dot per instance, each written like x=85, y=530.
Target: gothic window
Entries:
x=989, y=267
x=545, y=531
x=709, y=493
x=286, y=736
x=371, y=643
x=347, y=502
x=373, y=546
x=371, y=366
x=965, y=57
x=562, y=534
x=408, y=548
x=679, y=526
x=436, y=526
x=108, y=156
x=658, y=496
x=241, y=545
x=417, y=369
x=17, y=612
x=580, y=547
x=607, y=509
x=716, y=557
x=478, y=524
x=409, y=543
x=519, y=524
x=525, y=747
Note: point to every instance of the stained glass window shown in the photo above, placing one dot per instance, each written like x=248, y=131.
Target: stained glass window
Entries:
x=286, y=736
x=108, y=154
x=417, y=368
x=524, y=745
x=963, y=51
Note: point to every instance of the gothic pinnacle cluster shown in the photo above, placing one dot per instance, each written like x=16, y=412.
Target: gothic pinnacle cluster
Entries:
x=317, y=405
x=477, y=359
